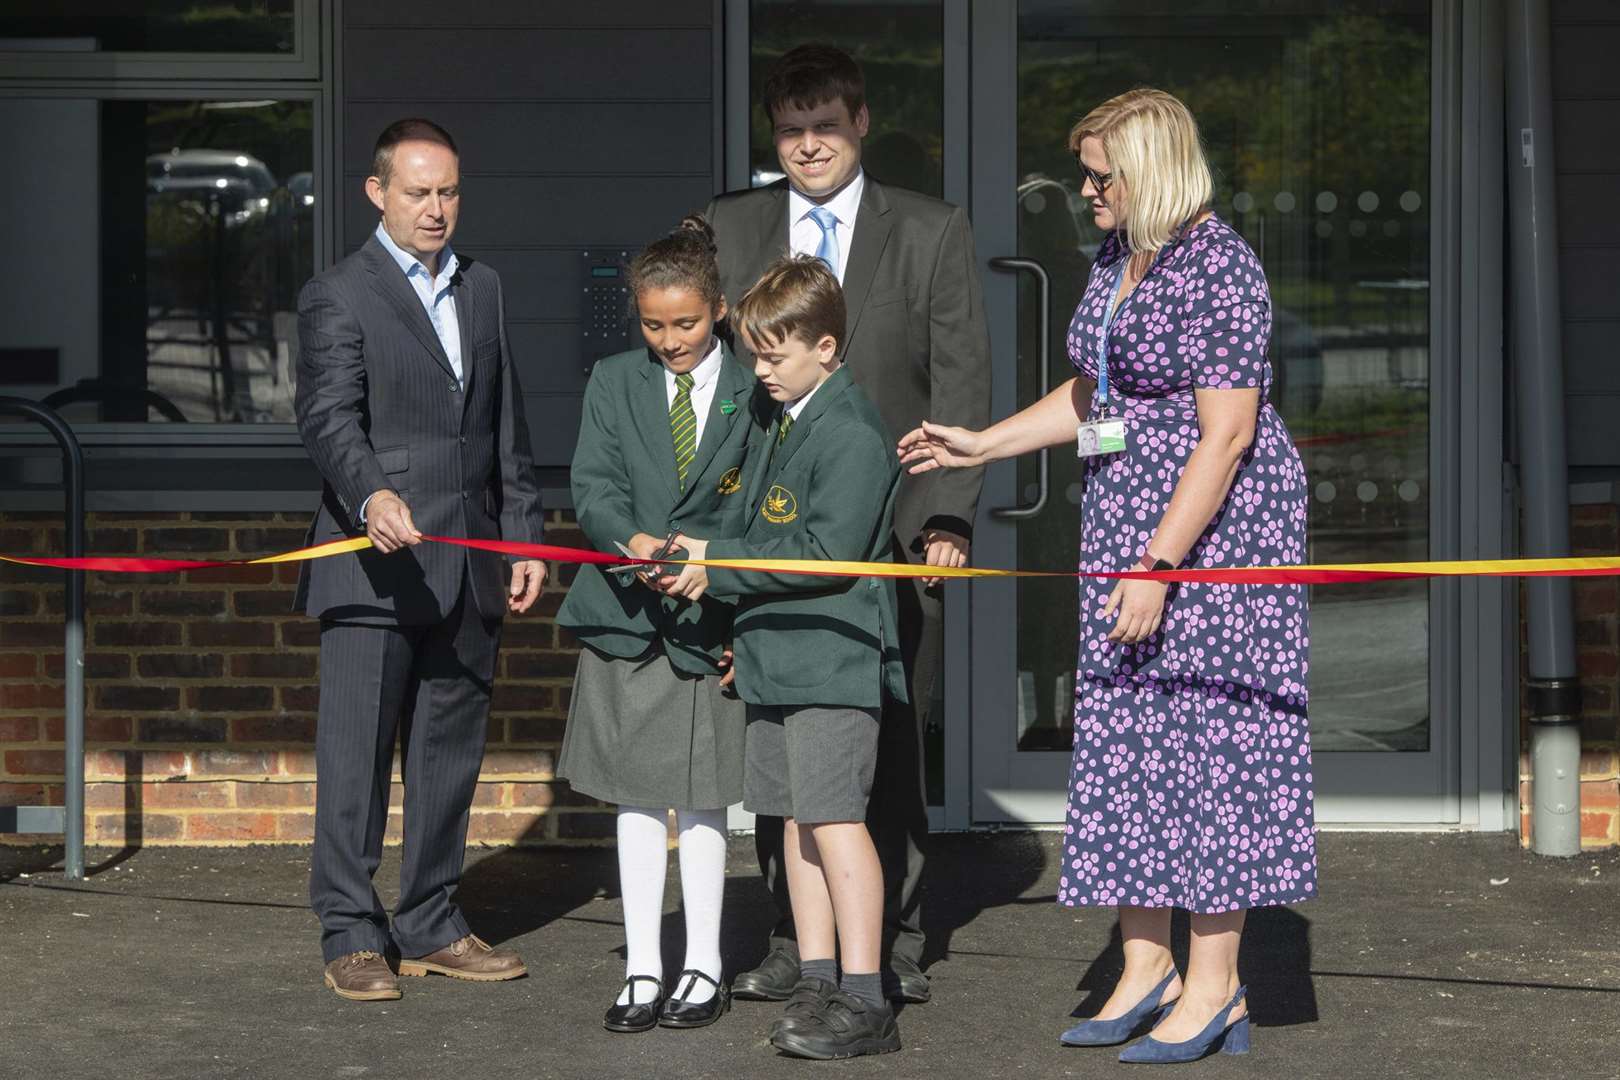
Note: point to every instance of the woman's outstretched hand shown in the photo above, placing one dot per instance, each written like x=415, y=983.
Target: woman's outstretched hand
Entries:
x=935, y=446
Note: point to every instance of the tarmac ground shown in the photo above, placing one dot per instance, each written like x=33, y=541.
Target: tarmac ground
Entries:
x=1428, y=955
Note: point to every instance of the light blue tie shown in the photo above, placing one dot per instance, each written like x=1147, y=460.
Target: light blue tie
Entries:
x=827, y=250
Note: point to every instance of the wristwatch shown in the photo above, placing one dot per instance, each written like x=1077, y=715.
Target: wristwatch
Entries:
x=1149, y=563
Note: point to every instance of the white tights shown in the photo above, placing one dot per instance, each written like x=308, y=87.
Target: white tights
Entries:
x=643, y=857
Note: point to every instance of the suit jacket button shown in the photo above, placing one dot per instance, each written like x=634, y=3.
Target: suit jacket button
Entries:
x=464, y=440
x=463, y=494
x=454, y=386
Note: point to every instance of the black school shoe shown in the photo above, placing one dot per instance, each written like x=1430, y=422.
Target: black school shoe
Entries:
x=680, y=1013
x=773, y=980
x=808, y=997
x=905, y=982
x=627, y=1019
x=844, y=1027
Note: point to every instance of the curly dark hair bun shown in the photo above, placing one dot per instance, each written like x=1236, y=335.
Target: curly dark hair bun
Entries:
x=685, y=259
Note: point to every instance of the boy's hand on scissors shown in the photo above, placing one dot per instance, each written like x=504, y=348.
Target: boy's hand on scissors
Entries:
x=693, y=581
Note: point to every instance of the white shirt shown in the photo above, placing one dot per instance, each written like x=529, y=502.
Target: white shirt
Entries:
x=705, y=377
x=434, y=292
x=804, y=235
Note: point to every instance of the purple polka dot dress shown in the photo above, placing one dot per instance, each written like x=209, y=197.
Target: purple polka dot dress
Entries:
x=1191, y=785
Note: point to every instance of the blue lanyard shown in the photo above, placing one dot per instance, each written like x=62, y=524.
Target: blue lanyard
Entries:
x=1115, y=302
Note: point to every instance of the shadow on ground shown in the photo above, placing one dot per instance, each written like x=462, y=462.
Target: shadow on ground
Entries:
x=1427, y=956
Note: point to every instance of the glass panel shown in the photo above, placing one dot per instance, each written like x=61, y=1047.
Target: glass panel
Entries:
x=192, y=224
x=1317, y=127
x=900, y=46
x=186, y=26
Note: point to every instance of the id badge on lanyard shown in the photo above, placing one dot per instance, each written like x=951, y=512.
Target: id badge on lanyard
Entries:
x=1106, y=434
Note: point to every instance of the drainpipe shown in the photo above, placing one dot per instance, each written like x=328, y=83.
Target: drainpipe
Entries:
x=1555, y=734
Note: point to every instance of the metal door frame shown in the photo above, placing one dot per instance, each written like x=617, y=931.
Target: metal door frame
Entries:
x=1465, y=780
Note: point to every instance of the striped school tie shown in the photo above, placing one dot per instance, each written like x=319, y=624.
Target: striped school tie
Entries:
x=683, y=426
x=781, y=436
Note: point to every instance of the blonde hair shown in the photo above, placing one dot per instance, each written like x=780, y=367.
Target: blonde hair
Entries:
x=1157, y=159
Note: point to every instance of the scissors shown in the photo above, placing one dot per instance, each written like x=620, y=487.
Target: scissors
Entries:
x=665, y=550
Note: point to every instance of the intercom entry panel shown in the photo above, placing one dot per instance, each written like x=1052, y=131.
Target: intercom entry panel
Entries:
x=605, y=320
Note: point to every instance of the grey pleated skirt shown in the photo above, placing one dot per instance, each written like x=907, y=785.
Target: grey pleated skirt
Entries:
x=641, y=733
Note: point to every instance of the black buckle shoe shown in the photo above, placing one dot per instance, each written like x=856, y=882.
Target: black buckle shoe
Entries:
x=844, y=1027
x=773, y=980
x=680, y=1013
x=808, y=997
x=633, y=1017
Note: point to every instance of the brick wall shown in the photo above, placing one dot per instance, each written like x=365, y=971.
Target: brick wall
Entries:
x=200, y=716
x=1594, y=530
x=201, y=693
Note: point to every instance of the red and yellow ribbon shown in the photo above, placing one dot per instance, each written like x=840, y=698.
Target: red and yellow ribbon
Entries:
x=1318, y=574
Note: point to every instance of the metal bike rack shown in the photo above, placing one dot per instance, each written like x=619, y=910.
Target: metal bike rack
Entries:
x=67, y=819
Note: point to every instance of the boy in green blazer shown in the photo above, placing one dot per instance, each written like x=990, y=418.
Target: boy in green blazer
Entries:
x=815, y=655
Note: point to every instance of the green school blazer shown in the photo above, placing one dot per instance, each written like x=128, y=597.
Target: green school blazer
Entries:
x=826, y=493
x=624, y=482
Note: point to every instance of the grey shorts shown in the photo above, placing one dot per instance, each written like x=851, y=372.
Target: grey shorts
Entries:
x=810, y=763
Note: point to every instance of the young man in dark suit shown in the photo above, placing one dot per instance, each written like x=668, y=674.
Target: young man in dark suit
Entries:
x=916, y=344
x=408, y=403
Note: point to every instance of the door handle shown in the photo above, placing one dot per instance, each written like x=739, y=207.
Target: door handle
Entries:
x=1043, y=313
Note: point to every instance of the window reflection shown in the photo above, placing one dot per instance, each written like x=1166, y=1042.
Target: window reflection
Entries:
x=190, y=26
x=1317, y=124
x=189, y=226
x=900, y=47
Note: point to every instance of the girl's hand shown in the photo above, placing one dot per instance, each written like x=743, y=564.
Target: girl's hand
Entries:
x=729, y=667
x=1140, y=605
x=693, y=581
x=935, y=446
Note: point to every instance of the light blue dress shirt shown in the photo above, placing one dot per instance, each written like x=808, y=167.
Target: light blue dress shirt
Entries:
x=440, y=305
x=434, y=292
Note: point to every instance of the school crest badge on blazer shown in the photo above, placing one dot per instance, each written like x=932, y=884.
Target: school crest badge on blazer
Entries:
x=730, y=481
x=780, y=507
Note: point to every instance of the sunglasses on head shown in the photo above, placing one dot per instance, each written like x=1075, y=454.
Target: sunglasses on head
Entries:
x=1100, y=181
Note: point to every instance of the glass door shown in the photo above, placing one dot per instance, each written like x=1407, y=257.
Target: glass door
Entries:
x=1317, y=123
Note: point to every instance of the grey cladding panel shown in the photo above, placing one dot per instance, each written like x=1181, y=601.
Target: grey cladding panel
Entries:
x=553, y=427
x=1592, y=359
x=551, y=137
x=506, y=211
x=538, y=284
x=506, y=64
x=1585, y=10
x=548, y=357
x=1586, y=209
x=1594, y=429
x=1585, y=57
x=528, y=13
x=1588, y=135
x=1589, y=279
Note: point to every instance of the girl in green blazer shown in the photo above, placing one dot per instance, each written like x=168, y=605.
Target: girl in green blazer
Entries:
x=652, y=722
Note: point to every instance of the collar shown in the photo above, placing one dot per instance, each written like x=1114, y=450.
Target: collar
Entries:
x=706, y=372
x=409, y=263
x=844, y=206
x=797, y=407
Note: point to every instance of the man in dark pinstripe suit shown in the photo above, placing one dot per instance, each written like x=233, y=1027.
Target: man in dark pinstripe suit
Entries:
x=408, y=402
